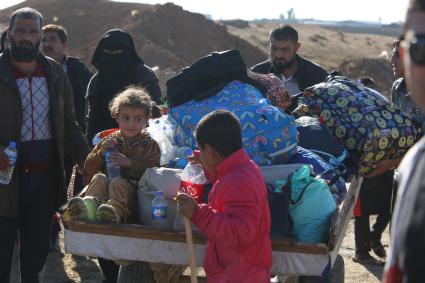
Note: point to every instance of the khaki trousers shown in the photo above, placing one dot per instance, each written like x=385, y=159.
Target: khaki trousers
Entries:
x=118, y=192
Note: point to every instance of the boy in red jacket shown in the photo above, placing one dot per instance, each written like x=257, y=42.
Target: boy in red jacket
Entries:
x=236, y=219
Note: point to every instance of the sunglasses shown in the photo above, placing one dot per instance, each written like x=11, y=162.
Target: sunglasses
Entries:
x=416, y=47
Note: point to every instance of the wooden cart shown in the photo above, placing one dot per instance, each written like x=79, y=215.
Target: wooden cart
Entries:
x=145, y=244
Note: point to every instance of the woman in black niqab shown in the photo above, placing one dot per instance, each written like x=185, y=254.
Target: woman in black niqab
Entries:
x=118, y=67
x=116, y=60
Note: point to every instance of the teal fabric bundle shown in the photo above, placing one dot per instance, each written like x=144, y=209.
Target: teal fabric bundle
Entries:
x=311, y=206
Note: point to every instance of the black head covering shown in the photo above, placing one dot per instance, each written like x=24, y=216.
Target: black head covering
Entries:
x=115, y=39
x=116, y=60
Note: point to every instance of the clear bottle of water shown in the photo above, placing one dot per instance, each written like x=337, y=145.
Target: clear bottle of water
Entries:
x=112, y=170
x=159, y=211
x=192, y=183
x=12, y=154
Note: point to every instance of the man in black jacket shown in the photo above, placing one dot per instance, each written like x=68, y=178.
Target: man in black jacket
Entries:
x=54, y=42
x=296, y=72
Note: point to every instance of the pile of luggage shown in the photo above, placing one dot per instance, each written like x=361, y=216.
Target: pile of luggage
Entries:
x=351, y=121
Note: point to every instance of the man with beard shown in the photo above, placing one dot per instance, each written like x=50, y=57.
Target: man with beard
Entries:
x=296, y=72
x=118, y=67
x=38, y=114
x=54, y=42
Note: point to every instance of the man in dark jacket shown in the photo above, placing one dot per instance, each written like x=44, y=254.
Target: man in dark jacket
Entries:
x=38, y=113
x=118, y=66
x=296, y=72
x=54, y=42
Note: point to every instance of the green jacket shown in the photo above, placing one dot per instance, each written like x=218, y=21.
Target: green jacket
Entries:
x=67, y=134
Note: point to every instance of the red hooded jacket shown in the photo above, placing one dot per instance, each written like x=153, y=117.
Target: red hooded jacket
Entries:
x=236, y=222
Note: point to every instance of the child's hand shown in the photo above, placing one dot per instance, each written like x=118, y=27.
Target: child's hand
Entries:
x=120, y=160
x=186, y=205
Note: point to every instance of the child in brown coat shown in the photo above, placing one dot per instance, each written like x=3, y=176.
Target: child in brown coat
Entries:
x=136, y=151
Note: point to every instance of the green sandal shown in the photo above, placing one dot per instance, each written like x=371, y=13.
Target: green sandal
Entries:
x=77, y=209
x=107, y=213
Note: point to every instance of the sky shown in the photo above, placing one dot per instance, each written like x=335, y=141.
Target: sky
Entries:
x=386, y=11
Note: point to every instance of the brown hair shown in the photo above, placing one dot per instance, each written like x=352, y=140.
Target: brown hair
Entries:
x=132, y=96
x=60, y=30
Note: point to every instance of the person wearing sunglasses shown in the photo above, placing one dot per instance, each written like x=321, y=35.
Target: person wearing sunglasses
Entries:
x=402, y=98
x=399, y=93
x=407, y=256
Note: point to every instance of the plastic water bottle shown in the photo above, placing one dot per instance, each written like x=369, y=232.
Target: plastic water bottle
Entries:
x=192, y=183
x=159, y=211
x=11, y=153
x=111, y=169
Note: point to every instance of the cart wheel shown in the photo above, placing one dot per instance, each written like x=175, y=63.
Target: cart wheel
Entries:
x=338, y=271
x=136, y=272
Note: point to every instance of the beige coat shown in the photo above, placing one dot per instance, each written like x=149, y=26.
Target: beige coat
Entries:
x=143, y=152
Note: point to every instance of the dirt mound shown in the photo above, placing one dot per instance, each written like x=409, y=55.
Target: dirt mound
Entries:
x=165, y=35
x=189, y=36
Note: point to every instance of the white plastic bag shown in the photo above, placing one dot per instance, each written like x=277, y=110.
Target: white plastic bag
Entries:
x=161, y=131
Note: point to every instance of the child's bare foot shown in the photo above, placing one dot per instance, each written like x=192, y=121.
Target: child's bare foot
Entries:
x=77, y=209
x=107, y=213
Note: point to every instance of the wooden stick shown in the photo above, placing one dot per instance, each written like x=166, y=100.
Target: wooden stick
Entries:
x=190, y=250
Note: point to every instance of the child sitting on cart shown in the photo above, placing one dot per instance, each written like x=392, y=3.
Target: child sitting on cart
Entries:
x=115, y=199
x=236, y=219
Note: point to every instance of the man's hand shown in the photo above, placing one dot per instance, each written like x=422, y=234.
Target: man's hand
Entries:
x=186, y=205
x=4, y=161
x=383, y=166
x=120, y=160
